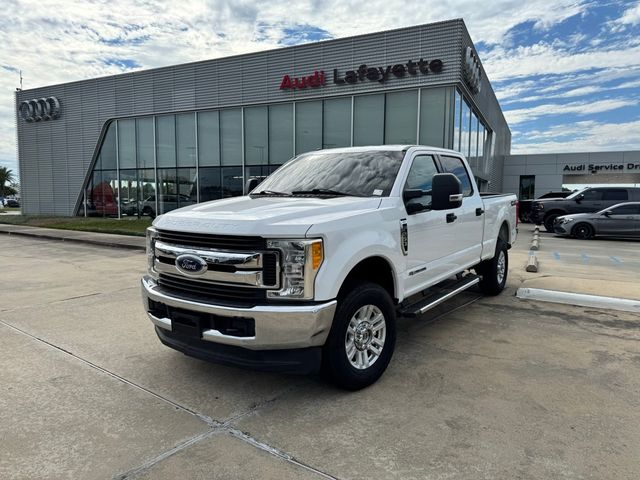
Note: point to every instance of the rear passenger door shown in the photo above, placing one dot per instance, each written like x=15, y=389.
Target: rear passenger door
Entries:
x=464, y=235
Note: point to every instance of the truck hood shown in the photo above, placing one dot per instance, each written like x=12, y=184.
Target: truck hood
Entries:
x=263, y=216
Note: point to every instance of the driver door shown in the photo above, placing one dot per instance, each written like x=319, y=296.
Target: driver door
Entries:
x=427, y=254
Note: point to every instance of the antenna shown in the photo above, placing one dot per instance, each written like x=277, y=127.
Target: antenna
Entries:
x=20, y=79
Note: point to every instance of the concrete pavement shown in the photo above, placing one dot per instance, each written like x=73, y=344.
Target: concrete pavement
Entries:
x=480, y=388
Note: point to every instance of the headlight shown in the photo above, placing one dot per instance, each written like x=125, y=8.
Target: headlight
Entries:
x=152, y=234
x=300, y=261
x=567, y=220
x=539, y=206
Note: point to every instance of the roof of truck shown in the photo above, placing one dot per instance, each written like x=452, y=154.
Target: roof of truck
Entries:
x=383, y=148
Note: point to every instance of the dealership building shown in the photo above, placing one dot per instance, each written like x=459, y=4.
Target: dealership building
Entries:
x=150, y=141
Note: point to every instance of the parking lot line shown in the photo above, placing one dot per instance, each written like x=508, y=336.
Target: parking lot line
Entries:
x=585, y=258
x=556, y=255
x=615, y=260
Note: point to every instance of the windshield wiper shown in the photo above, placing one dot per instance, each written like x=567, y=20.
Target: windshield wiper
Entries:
x=324, y=191
x=272, y=192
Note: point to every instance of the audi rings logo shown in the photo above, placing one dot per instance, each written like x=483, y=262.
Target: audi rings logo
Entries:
x=40, y=109
x=471, y=70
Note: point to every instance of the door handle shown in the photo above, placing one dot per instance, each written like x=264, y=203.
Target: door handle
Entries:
x=451, y=217
x=479, y=212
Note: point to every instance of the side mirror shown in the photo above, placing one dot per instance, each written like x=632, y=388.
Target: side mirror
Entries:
x=446, y=192
x=579, y=198
x=607, y=213
x=252, y=183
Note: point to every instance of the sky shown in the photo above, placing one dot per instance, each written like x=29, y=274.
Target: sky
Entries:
x=566, y=72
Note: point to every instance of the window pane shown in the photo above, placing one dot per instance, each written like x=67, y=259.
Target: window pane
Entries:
x=167, y=199
x=127, y=143
x=209, y=180
x=465, y=127
x=256, y=151
x=280, y=133
x=108, y=149
x=186, y=187
x=456, y=121
x=401, y=118
x=209, y=138
x=103, y=198
x=186, y=139
x=420, y=177
x=432, y=116
x=308, y=126
x=147, y=192
x=337, y=123
x=232, y=181
x=626, y=210
x=129, y=192
x=473, y=140
x=144, y=131
x=455, y=166
x=166, y=141
x=527, y=187
x=231, y=137
x=615, y=195
x=368, y=120
x=259, y=172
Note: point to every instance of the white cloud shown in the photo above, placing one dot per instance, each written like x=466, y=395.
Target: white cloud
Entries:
x=583, y=137
x=631, y=16
x=520, y=115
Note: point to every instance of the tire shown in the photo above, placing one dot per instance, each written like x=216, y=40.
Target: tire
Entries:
x=148, y=211
x=494, y=271
x=583, y=231
x=549, y=220
x=358, y=338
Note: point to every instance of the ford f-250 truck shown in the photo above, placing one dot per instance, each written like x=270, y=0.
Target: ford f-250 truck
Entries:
x=310, y=270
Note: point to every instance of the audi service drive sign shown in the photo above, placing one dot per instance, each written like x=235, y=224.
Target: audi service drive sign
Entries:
x=40, y=109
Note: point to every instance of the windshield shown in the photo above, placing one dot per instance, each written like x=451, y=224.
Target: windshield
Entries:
x=360, y=174
x=575, y=194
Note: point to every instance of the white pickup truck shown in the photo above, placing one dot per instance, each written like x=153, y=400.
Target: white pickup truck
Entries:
x=310, y=270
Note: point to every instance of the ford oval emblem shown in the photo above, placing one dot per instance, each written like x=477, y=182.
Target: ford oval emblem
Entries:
x=191, y=264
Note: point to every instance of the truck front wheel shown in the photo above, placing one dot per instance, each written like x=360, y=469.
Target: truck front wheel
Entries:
x=362, y=337
x=494, y=271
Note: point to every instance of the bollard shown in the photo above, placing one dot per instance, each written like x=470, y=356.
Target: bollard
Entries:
x=535, y=245
x=532, y=264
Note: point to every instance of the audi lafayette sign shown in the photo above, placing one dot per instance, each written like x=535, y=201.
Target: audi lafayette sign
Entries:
x=362, y=74
x=40, y=109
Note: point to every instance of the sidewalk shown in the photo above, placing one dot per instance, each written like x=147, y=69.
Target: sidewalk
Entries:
x=600, y=267
x=103, y=239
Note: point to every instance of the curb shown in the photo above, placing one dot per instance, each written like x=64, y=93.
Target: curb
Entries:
x=102, y=243
x=580, y=299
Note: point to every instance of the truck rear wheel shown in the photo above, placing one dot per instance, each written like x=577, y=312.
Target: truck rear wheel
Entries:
x=494, y=271
x=362, y=337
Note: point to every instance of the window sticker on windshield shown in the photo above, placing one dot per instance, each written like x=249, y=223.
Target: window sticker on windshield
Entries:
x=377, y=192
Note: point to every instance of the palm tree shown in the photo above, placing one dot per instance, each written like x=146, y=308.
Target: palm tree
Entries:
x=6, y=177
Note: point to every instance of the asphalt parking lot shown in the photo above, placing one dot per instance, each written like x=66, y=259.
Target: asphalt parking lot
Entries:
x=481, y=388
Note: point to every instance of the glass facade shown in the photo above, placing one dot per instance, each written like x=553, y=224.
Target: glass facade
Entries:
x=153, y=164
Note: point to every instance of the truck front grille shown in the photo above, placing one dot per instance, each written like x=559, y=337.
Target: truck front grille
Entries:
x=212, y=292
x=223, y=242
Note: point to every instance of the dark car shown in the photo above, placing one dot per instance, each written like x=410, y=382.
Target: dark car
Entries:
x=588, y=200
x=12, y=202
x=622, y=220
x=525, y=205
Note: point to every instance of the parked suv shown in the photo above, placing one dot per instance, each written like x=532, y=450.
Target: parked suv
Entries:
x=583, y=201
x=524, y=210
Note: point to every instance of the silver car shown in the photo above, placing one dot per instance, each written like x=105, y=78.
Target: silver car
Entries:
x=621, y=220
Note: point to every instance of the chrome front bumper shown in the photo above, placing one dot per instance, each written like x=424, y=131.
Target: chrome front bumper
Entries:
x=276, y=326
